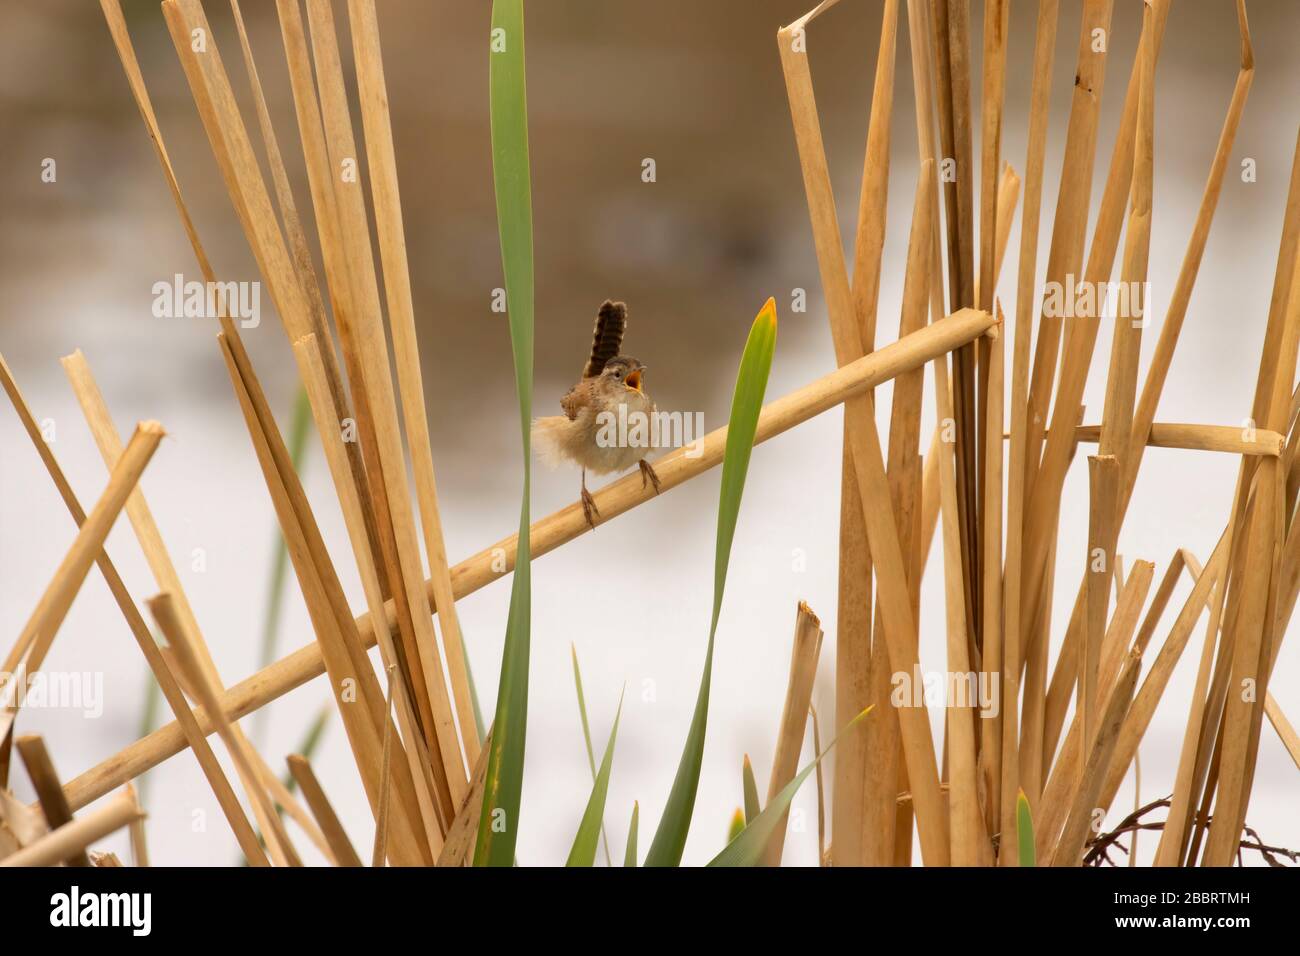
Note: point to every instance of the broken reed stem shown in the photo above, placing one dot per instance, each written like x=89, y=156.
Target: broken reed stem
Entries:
x=401, y=316
x=353, y=514
x=794, y=717
x=340, y=645
x=38, y=634
x=1027, y=775
x=340, y=846
x=72, y=838
x=100, y=422
x=965, y=821
x=45, y=781
x=385, y=797
x=1103, y=478
x=868, y=457
x=675, y=468
x=182, y=645
x=864, y=809
x=1070, y=221
x=171, y=690
x=463, y=832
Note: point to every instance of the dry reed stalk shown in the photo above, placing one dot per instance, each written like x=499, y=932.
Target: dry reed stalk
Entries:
x=297, y=238
x=1008, y=196
x=100, y=422
x=386, y=769
x=553, y=531
x=341, y=847
x=857, y=806
x=1205, y=714
x=314, y=381
x=1103, y=475
x=1070, y=221
x=1227, y=439
x=888, y=833
x=205, y=690
x=1249, y=657
x=423, y=657
x=1157, y=679
x=1069, y=848
x=38, y=633
x=996, y=13
x=951, y=27
x=991, y=651
x=306, y=274
x=880, y=743
x=1025, y=771
x=868, y=458
x=1064, y=779
x=993, y=91
x=233, y=151
x=794, y=717
x=171, y=690
x=1253, y=627
x=1045, y=485
x=1171, y=327
x=57, y=845
x=340, y=645
x=965, y=821
x=139, y=844
x=45, y=781
x=463, y=832
x=852, y=671
x=1126, y=347
x=401, y=316
x=368, y=487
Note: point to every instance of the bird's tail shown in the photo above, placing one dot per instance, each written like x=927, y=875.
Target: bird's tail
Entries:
x=548, y=434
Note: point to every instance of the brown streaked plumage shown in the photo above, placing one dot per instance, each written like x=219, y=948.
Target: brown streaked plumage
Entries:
x=609, y=393
x=611, y=323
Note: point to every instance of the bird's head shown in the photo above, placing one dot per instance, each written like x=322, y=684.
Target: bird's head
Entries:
x=624, y=371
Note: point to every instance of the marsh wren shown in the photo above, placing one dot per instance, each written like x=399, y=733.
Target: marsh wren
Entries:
x=594, y=430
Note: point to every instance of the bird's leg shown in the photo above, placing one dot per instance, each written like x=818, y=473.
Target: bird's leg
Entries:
x=588, y=503
x=647, y=471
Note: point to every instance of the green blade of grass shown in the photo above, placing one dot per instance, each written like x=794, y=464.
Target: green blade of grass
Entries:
x=629, y=855
x=750, y=786
x=589, y=830
x=586, y=739
x=747, y=847
x=751, y=383
x=498, y=828
x=1025, y=831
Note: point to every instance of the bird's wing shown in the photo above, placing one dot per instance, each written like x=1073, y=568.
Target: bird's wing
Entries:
x=571, y=403
x=611, y=322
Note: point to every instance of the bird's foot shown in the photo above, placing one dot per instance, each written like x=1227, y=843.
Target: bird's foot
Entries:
x=647, y=471
x=589, y=510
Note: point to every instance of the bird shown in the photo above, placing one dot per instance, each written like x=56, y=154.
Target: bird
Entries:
x=607, y=425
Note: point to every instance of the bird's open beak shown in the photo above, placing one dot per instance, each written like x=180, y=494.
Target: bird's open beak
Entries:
x=634, y=380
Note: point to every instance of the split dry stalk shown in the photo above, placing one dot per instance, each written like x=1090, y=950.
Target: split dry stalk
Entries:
x=794, y=717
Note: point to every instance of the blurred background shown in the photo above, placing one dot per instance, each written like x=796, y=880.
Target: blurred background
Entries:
x=696, y=87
